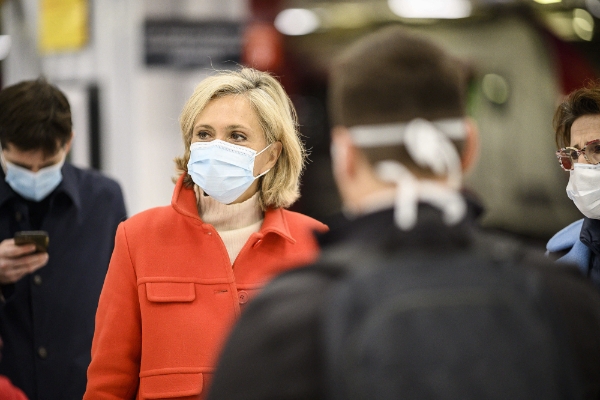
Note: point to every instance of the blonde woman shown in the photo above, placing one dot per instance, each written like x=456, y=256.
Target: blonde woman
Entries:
x=180, y=275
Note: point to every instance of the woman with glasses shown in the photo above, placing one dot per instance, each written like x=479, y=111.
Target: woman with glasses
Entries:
x=577, y=126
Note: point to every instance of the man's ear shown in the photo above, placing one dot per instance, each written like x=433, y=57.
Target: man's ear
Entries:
x=471, y=149
x=343, y=152
x=69, y=142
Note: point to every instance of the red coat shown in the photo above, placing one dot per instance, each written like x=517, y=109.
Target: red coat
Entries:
x=10, y=392
x=171, y=295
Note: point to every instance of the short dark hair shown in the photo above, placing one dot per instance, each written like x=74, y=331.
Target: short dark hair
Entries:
x=394, y=76
x=34, y=115
x=580, y=102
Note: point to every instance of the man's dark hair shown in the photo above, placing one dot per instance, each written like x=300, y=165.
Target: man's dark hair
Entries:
x=34, y=115
x=580, y=102
x=393, y=76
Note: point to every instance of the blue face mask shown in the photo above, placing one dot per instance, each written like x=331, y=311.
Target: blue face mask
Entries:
x=223, y=170
x=33, y=185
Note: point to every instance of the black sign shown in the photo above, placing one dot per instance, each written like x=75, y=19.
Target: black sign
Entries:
x=192, y=44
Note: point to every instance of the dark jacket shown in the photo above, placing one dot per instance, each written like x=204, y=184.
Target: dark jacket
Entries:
x=47, y=318
x=276, y=349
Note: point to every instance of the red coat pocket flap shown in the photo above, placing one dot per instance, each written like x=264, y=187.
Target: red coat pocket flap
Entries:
x=165, y=292
x=167, y=386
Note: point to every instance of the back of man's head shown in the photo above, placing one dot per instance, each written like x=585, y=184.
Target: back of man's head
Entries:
x=34, y=115
x=393, y=76
x=398, y=100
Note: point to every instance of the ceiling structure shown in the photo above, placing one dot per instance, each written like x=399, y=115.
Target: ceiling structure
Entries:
x=321, y=27
x=574, y=20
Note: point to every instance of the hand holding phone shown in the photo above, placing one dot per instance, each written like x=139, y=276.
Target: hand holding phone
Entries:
x=17, y=261
x=39, y=238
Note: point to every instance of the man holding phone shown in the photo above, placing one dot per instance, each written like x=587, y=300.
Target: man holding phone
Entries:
x=48, y=296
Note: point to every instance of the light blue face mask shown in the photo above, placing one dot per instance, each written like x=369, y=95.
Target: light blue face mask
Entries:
x=33, y=185
x=223, y=170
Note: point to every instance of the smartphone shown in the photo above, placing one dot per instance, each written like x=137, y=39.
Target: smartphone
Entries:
x=39, y=238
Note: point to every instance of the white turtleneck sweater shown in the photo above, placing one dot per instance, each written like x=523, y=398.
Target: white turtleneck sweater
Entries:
x=234, y=222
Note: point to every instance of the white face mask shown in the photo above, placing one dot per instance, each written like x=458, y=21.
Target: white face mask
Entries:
x=34, y=186
x=223, y=170
x=584, y=189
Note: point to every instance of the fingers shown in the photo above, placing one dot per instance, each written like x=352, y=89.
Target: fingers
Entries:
x=11, y=270
x=17, y=261
x=8, y=249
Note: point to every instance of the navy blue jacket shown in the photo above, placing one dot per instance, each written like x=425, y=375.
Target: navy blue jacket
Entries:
x=47, y=317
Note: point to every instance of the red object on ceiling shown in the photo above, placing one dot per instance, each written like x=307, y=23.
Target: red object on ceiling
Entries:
x=573, y=69
x=263, y=47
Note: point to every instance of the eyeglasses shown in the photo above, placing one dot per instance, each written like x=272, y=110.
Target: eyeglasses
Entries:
x=567, y=156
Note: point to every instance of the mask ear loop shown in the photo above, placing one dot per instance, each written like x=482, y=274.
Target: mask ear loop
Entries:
x=256, y=155
x=448, y=200
x=428, y=147
x=407, y=193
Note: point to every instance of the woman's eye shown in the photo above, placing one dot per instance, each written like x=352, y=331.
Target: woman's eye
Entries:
x=595, y=148
x=572, y=153
x=238, y=137
x=203, y=135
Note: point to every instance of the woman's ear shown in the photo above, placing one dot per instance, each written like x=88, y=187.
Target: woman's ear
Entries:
x=274, y=152
x=471, y=149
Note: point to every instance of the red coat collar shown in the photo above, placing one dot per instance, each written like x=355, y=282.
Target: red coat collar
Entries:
x=184, y=202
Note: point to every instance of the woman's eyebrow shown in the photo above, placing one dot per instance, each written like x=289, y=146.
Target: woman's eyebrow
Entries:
x=236, y=126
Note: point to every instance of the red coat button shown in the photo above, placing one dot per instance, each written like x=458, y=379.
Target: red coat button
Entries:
x=243, y=297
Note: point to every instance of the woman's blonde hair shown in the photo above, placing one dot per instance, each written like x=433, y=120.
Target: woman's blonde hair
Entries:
x=280, y=187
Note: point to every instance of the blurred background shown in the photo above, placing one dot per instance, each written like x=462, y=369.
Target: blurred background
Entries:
x=128, y=66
